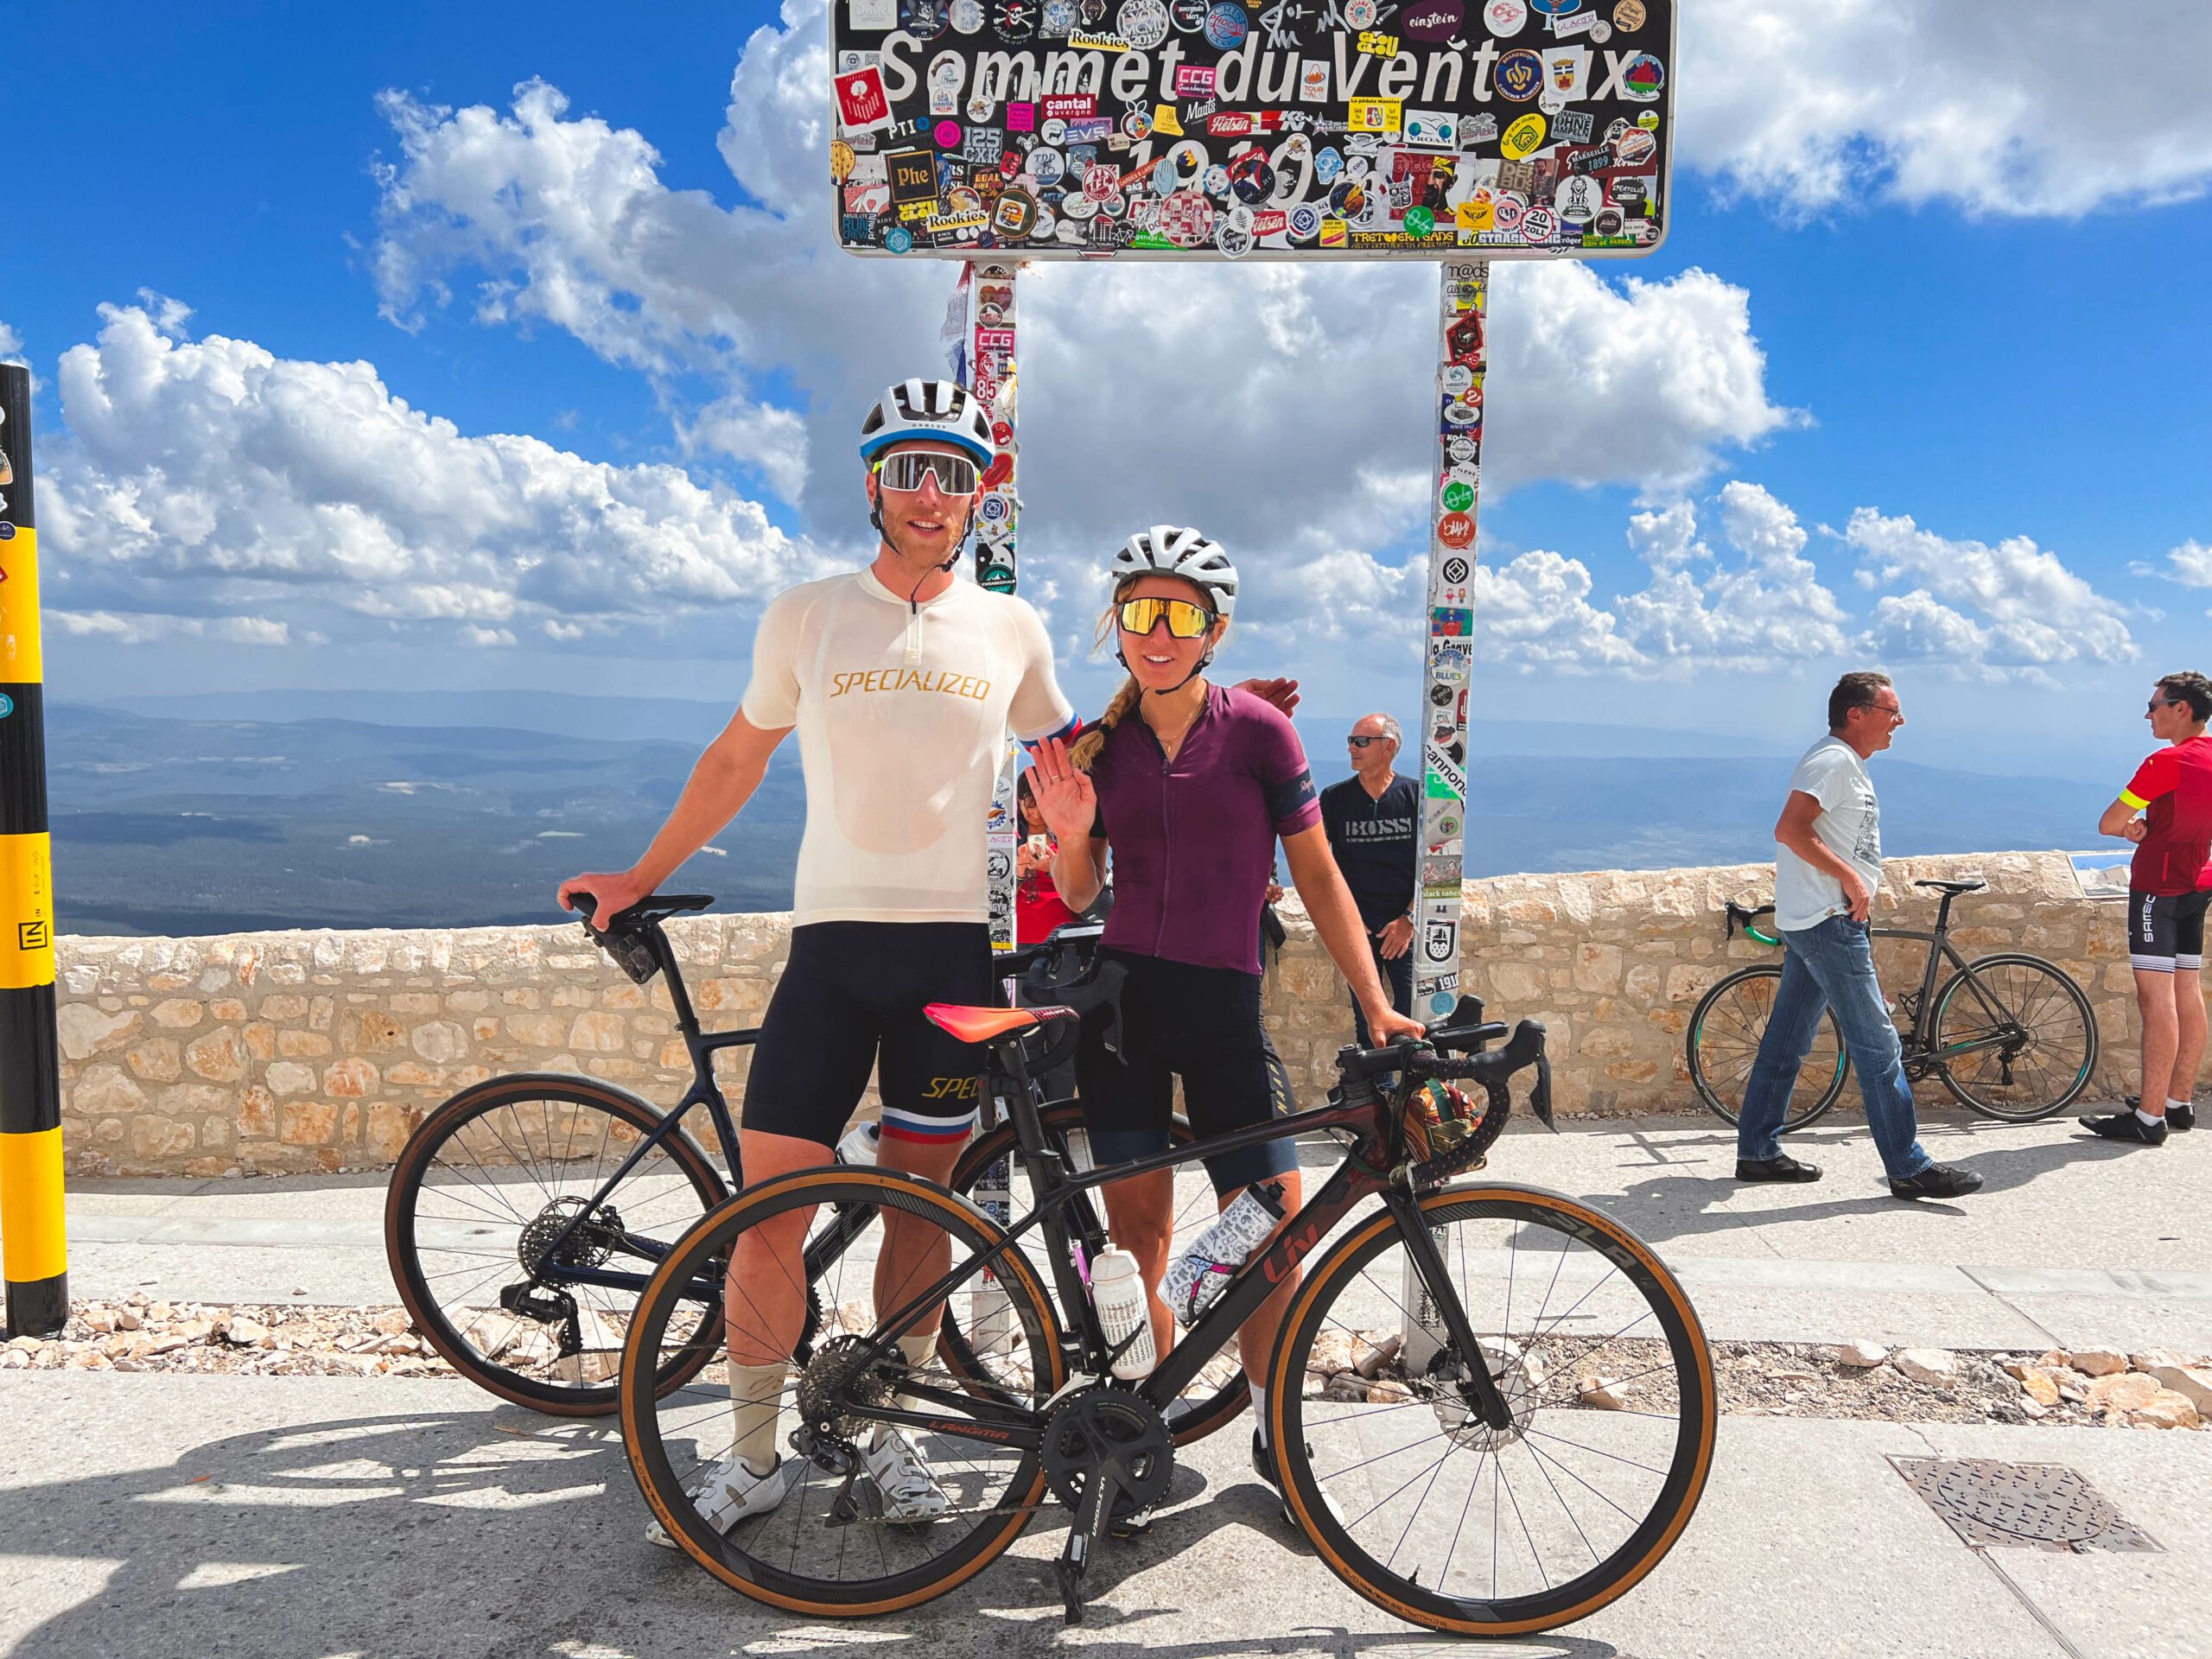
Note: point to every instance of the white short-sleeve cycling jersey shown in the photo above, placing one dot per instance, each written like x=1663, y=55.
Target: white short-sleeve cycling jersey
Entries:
x=902, y=715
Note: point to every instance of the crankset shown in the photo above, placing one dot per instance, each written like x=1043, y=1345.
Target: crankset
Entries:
x=1109, y=1456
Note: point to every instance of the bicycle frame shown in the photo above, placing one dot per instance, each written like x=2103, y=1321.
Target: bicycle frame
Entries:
x=1362, y=1111
x=702, y=1046
x=1921, y=1052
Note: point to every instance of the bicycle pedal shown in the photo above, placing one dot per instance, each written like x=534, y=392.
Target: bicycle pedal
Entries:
x=1069, y=1569
x=1131, y=1526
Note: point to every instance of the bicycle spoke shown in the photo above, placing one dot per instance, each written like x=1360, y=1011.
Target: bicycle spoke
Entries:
x=1544, y=1326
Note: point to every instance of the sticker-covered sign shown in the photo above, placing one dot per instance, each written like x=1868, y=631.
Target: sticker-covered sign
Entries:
x=1477, y=128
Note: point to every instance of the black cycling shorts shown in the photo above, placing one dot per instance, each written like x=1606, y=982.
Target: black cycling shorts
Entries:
x=1200, y=1024
x=2165, y=930
x=850, y=999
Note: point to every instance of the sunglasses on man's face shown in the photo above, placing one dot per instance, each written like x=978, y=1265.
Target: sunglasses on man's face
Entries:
x=1186, y=620
x=1361, y=742
x=2157, y=703
x=955, y=475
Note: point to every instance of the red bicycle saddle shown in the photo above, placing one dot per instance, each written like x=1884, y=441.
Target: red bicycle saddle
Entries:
x=987, y=1025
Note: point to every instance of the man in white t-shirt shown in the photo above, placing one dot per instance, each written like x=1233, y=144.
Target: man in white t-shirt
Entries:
x=902, y=682
x=1827, y=868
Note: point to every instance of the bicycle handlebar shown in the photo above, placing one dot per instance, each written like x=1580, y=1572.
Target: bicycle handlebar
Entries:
x=1431, y=1060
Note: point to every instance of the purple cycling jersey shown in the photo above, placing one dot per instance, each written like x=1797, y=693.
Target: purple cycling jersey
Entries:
x=1194, y=839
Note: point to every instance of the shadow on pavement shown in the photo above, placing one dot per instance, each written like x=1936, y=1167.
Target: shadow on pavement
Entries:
x=1673, y=1206
x=501, y=1533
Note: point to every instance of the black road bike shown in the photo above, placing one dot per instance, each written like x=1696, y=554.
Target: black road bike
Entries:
x=2011, y=1036
x=1492, y=1406
x=526, y=1213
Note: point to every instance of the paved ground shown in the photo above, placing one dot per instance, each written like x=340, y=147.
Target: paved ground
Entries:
x=166, y=1514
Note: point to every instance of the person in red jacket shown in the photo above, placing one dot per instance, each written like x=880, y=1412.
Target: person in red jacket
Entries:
x=2166, y=810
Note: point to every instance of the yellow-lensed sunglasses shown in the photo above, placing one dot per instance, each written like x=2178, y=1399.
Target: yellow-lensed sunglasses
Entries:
x=1186, y=619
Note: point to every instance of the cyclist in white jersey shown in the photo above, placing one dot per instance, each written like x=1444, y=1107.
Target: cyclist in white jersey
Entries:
x=903, y=682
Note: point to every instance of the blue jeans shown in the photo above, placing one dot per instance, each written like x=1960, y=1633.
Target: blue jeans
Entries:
x=1831, y=965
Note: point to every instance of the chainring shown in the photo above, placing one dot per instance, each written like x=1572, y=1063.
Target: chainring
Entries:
x=1081, y=1430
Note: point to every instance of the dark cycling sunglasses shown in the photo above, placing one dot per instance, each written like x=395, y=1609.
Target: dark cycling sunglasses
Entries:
x=1361, y=742
x=1186, y=619
x=955, y=475
x=2157, y=703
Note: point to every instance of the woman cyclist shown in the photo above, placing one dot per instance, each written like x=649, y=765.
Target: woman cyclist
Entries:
x=1190, y=796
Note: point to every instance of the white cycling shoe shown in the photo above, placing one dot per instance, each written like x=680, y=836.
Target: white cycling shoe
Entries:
x=730, y=1493
x=909, y=1492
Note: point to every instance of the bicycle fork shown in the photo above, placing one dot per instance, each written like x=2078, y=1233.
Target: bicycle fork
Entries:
x=1438, y=1297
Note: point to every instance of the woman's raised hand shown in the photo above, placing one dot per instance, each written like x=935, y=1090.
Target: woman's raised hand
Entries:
x=1065, y=794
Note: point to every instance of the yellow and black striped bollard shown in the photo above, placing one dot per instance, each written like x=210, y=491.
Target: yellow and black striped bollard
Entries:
x=31, y=1079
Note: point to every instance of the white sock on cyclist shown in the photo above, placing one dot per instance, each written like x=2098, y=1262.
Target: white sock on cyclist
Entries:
x=2153, y=1117
x=1260, y=1410
x=756, y=1395
x=917, y=1351
x=2173, y=1105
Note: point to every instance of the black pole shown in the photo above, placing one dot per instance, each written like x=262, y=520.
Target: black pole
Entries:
x=31, y=1237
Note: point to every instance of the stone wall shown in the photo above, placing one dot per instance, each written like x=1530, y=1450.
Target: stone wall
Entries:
x=306, y=1051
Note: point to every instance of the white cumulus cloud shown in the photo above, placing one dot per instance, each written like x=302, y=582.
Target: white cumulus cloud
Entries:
x=2192, y=564
x=1766, y=608
x=195, y=475
x=2035, y=107
x=2011, y=606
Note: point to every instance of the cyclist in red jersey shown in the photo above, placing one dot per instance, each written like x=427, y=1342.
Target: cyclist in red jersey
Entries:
x=1192, y=795
x=2166, y=810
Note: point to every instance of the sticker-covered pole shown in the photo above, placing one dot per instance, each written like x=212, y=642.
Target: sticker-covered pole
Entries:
x=1461, y=360
x=993, y=377
x=31, y=1079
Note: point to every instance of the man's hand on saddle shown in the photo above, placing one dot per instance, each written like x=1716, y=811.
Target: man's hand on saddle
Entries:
x=616, y=892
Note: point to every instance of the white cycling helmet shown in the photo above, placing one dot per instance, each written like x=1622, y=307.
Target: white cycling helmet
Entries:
x=934, y=410
x=1172, y=550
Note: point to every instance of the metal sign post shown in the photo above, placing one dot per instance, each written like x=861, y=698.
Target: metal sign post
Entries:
x=31, y=1237
x=1461, y=359
x=992, y=376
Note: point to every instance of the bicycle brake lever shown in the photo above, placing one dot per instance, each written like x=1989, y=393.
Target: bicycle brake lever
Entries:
x=1540, y=1098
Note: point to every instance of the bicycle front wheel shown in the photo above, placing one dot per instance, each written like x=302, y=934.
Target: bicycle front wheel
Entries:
x=832, y=1546
x=2016, y=1037
x=1427, y=1510
x=1724, y=1045
x=480, y=1197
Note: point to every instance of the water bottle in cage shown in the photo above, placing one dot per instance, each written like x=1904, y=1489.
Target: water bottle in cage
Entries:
x=1205, y=1269
x=1422, y=1328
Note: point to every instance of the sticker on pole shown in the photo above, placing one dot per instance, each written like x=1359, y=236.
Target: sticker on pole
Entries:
x=1475, y=129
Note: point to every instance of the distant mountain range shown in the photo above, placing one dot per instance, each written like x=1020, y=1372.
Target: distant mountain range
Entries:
x=201, y=814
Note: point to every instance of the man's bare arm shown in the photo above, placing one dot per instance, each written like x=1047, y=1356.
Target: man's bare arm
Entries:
x=720, y=786
x=1794, y=829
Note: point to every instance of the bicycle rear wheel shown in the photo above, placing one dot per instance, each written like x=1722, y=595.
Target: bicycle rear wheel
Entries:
x=1220, y=1392
x=826, y=1548
x=2017, y=1037
x=480, y=1193
x=1429, y=1512
x=1724, y=1044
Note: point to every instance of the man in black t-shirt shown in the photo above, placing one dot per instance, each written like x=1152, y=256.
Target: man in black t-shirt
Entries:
x=1372, y=818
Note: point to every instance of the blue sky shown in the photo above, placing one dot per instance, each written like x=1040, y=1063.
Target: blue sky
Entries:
x=1907, y=278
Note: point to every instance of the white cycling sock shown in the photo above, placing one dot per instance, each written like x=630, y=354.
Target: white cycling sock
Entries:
x=1260, y=1410
x=756, y=1394
x=917, y=1353
x=2150, y=1118
x=2171, y=1103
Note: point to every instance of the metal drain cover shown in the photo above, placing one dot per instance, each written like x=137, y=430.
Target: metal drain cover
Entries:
x=2046, y=1505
